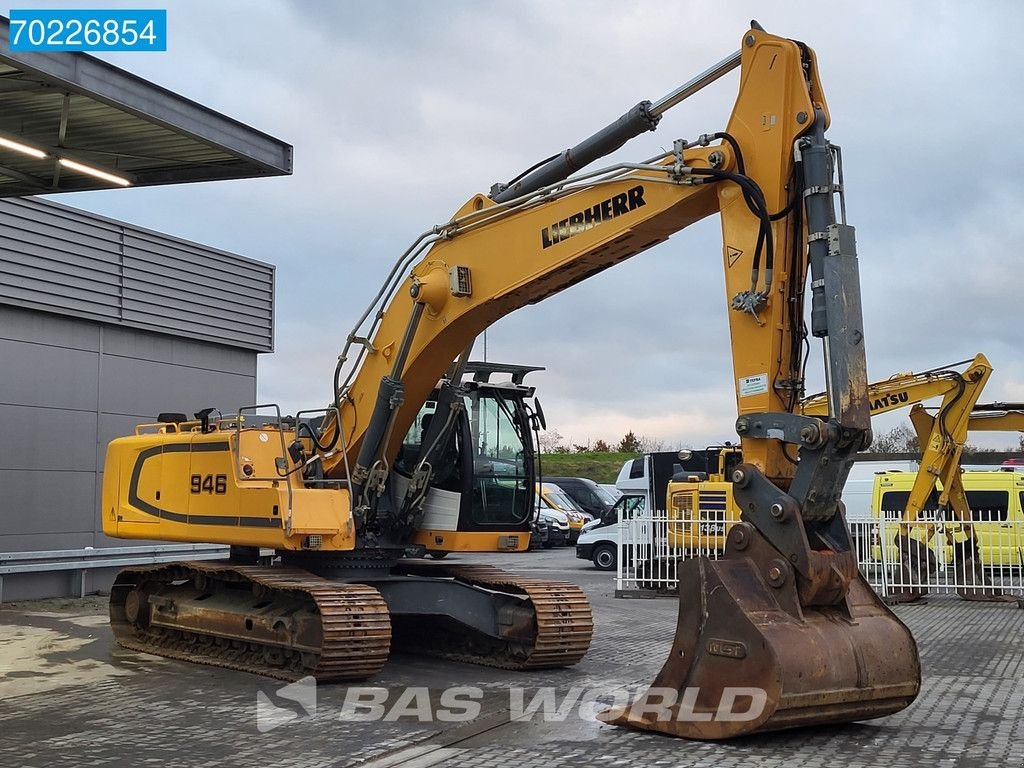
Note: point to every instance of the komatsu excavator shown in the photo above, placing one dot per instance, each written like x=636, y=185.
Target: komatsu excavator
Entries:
x=785, y=612
x=942, y=437
x=939, y=487
x=702, y=507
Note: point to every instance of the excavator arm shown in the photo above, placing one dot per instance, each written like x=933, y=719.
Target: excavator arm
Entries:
x=902, y=390
x=770, y=178
x=787, y=592
x=942, y=436
x=997, y=417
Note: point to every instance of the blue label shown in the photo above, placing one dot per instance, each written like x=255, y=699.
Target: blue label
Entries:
x=88, y=30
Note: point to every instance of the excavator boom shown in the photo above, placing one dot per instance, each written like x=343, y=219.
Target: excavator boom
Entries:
x=997, y=417
x=905, y=389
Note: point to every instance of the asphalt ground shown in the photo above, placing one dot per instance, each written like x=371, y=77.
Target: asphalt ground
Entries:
x=70, y=697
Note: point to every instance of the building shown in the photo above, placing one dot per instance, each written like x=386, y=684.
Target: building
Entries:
x=104, y=325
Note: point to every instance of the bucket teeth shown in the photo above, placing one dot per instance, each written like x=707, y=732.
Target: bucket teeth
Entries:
x=747, y=658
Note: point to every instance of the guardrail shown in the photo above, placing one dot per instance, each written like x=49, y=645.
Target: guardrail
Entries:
x=88, y=559
x=980, y=560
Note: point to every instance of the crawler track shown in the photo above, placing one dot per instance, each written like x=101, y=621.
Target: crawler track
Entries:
x=564, y=622
x=279, y=622
x=288, y=623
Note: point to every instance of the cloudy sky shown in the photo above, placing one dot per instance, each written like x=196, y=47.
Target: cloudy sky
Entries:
x=400, y=111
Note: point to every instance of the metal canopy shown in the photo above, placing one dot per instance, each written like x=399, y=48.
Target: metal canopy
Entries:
x=75, y=107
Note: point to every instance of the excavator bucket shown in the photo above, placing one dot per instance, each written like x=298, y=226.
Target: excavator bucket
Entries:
x=747, y=657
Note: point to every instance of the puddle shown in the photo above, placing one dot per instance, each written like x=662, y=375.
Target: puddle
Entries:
x=89, y=621
x=27, y=665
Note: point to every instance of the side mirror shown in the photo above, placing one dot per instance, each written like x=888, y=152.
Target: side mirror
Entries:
x=540, y=414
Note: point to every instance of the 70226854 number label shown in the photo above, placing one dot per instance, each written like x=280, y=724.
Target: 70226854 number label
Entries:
x=144, y=29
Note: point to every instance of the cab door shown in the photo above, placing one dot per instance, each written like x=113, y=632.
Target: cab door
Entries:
x=632, y=511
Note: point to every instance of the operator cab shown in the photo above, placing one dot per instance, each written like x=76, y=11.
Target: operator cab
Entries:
x=485, y=481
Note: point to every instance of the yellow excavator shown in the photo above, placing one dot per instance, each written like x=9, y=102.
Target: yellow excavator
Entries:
x=702, y=508
x=939, y=486
x=705, y=494
x=942, y=438
x=348, y=509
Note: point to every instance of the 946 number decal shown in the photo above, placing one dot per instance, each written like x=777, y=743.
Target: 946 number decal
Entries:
x=209, y=484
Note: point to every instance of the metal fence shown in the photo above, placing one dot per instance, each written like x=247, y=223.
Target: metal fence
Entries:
x=982, y=560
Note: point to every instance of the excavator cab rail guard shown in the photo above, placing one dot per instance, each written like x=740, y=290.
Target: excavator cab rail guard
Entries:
x=980, y=560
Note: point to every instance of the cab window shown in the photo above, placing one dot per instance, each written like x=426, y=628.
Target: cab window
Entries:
x=409, y=453
x=989, y=506
x=625, y=508
x=894, y=504
x=501, y=492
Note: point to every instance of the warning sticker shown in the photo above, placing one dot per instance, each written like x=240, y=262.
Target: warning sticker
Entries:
x=753, y=385
x=732, y=254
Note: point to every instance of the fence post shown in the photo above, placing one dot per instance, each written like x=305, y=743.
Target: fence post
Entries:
x=620, y=552
x=883, y=546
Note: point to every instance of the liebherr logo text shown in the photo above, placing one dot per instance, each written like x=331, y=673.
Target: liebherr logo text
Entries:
x=614, y=206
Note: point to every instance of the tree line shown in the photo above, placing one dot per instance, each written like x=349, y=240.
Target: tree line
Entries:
x=553, y=442
x=900, y=439
x=903, y=439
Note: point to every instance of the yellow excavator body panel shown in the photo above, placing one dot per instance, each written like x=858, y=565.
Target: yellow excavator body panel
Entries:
x=193, y=486
x=472, y=541
x=700, y=515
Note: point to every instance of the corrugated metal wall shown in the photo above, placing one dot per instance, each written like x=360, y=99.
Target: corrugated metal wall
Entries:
x=80, y=362
x=58, y=259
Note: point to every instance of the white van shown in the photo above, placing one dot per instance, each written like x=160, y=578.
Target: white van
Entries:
x=599, y=539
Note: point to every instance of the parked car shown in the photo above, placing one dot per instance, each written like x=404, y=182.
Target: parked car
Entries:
x=586, y=493
x=558, y=524
x=560, y=500
x=540, y=533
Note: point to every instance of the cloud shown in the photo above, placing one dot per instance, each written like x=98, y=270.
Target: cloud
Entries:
x=400, y=112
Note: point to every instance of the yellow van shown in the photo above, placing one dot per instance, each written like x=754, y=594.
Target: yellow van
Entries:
x=996, y=498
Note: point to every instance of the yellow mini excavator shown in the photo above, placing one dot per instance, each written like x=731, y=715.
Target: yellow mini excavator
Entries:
x=343, y=497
